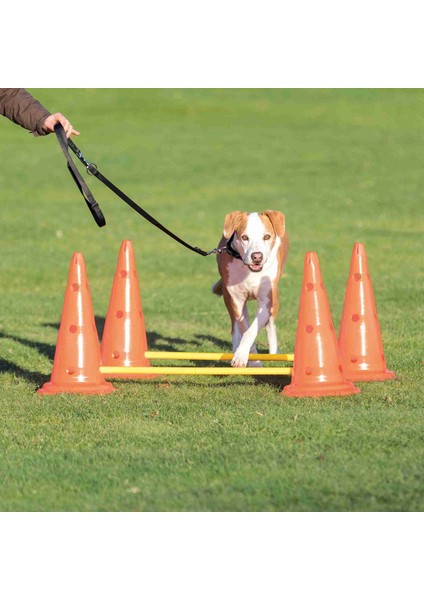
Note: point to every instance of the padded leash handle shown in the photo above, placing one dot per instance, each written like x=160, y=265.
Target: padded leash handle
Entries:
x=79, y=181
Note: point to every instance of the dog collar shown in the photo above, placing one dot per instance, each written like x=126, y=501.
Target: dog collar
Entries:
x=230, y=250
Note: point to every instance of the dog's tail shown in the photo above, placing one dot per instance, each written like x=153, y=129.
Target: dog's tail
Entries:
x=217, y=288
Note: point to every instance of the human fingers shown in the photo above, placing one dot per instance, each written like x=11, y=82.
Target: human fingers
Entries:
x=52, y=120
x=69, y=130
x=65, y=124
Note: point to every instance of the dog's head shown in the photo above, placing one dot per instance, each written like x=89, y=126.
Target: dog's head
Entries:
x=254, y=235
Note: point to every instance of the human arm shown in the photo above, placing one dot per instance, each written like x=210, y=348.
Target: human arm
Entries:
x=23, y=109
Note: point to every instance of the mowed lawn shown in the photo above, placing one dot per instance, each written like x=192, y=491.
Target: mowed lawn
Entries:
x=344, y=166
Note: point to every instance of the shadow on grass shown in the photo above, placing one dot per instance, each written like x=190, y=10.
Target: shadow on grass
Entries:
x=275, y=381
x=32, y=377
x=156, y=341
x=42, y=348
x=219, y=344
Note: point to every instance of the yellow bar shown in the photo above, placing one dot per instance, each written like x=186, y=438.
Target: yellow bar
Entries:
x=214, y=356
x=196, y=370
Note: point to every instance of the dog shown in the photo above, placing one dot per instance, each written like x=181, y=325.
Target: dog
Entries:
x=256, y=247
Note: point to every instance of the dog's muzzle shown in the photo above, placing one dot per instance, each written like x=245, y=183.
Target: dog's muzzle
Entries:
x=257, y=262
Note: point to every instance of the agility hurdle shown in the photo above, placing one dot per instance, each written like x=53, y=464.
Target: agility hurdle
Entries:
x=207, y=356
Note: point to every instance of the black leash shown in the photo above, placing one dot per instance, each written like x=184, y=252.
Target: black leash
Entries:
x=94, y=207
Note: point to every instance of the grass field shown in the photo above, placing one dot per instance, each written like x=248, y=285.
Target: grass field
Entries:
x=344, y=166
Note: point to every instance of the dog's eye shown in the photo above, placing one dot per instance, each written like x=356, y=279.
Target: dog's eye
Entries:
x=244, y=238
x=267, y=237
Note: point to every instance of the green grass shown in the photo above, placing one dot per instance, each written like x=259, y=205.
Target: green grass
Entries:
x=344, y=166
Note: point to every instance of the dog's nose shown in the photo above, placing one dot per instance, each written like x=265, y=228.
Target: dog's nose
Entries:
x=257, y=257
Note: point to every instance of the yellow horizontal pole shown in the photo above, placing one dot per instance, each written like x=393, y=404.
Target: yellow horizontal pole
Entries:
x=214, y=356
x=196, y=370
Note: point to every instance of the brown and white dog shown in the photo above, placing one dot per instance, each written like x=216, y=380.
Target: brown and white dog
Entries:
x=259, y=244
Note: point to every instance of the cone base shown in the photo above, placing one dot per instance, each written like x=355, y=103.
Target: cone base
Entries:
x=88, y=389
x=369, y=375
x=324, y=389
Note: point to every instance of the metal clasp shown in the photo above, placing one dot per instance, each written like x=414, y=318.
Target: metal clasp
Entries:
x=88, y=168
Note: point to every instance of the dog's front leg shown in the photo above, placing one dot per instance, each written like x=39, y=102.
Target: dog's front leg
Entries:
x=240, y=324
x=241, y=355
x=235, y=302
x=271, y=332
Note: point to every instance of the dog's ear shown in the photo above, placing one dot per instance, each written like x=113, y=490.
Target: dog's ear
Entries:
x=231, y=221
x=278, y=221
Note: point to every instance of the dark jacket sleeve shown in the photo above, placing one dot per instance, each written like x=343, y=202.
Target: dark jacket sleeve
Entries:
x=20, y=107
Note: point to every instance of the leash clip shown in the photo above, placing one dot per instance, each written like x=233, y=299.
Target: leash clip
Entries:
x=89, y=166
x=228, y=249
x=216, y=251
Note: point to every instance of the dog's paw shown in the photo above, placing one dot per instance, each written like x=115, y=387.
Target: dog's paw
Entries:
x=255, y=363
x=240, y=359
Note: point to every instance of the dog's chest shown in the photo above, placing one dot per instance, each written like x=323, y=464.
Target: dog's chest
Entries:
x=248, y=285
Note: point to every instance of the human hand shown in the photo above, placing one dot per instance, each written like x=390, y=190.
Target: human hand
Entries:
x=51, y=121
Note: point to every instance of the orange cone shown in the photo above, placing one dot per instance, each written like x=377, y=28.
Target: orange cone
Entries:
x=316, y=370
x=360, y=342
x=124, y=338
x=77, y=357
